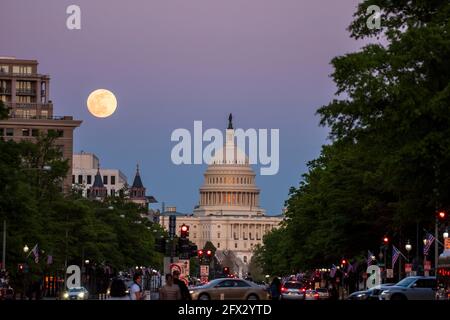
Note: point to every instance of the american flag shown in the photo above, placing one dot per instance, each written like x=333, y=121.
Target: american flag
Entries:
x=369, y=258
x=430, y=239
x=333, y=271
x=395, y=255
x=35, y=252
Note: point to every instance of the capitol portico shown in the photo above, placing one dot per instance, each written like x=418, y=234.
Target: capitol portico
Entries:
x=229, y=213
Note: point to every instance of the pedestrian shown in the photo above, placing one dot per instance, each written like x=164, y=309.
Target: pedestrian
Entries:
x=118, y=290
x=170, y=291
x=185, y=295
x=136, y=288
x=275, y=289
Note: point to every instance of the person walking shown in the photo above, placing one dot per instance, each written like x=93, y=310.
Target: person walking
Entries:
x=275, y=289
x=170, y=291
x=185, y=295
x=136, y=288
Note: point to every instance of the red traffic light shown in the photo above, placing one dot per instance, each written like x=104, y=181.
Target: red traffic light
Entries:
x=226, y=270
x=385, y=240
x=442, y=215
x=184, y=231
x=200, y=253
x=184, y=228
x=344, y=262
x=209, y=253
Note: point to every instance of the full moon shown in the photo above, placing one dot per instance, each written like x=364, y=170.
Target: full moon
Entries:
x=101, y=103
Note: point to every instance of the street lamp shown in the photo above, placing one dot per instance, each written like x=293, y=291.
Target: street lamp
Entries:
x=425, y=241
x=445, y=235
x=408, y=246
x=86, y=261
x=26, y=249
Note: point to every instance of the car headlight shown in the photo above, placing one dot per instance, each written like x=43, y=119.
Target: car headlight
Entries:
x=66, y=295
x=81, y=295
x=362, y=296
x=191, y=292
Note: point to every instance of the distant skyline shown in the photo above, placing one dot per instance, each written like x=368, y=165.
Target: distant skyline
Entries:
x=171, y=62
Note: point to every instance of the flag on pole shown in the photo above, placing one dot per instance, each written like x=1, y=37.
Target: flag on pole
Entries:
x=369, y=258
x=35, y=252
x=333, y=271
x=395, y=255
x=430, y=239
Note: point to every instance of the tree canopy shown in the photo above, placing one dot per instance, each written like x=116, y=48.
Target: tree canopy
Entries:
x=387, y=166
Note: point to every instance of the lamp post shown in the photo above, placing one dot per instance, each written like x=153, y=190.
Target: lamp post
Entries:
x=445, y=234
x=26, y=249
x=408, y=248
x=4, y=246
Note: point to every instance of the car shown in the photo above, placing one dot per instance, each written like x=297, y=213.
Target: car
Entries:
x=311, y=295
x=292, y=290
x=370, y=294
x=229, y=289
x=412, y=288
x=77, y=293
x=324, y=294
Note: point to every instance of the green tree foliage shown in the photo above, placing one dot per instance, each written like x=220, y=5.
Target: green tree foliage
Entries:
x=66, y=226
x=387, y=167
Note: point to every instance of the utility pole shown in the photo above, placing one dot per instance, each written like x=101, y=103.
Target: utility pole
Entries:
x=436, y=248
x=4, y=246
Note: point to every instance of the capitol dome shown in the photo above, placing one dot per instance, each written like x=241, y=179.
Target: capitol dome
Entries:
x=229, y=186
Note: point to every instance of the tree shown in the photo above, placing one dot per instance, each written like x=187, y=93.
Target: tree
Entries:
x=386, y=168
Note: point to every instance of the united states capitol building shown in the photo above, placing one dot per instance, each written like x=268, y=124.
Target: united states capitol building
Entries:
x=229, y=213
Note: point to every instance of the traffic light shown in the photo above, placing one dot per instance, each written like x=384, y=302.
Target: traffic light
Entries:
x=441, y=215
x=208, y=253
x=200, y=253
x=343, y=262
x=226, y=271
x=385, y=240
x=184, y=231
x=160, y=245
x=21, y=267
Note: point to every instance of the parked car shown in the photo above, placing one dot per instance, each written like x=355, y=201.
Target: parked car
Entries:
x=324, y=294
x=370, y=294
x=292, y=290
x=412, y=288
x=311, y=295
x=229, y=289
x=79, y=293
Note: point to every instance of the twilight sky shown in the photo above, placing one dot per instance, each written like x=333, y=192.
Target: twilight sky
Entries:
x=171, y=62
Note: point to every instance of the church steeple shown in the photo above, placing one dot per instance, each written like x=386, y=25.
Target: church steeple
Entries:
x=98, y=189
x=137, y=182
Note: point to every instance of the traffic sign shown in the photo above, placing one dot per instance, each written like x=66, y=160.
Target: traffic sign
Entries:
x=390, y=273
x=408, y=267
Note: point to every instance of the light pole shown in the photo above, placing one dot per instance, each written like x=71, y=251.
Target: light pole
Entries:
x=4, y=246
x=408, y=248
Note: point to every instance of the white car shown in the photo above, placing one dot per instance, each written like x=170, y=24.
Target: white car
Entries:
x=412, y=288
x=79, y=293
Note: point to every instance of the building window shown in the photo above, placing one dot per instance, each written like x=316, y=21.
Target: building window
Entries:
x=73, y=179
x=105, y=179
x=195, y=235
x=235, y=245
x=34, y=132
x=4, y=69
x=89, y=179
x=60, y=133
x=80, y=179
x=245, y=259
x=250, y=235
x=218, y=244
x=218, y=235
x=9, y=132
x=25, y=132
x=113, y=180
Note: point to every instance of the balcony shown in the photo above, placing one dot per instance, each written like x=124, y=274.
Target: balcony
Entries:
x=15, y=116
x=25, y=92
x=5, y=90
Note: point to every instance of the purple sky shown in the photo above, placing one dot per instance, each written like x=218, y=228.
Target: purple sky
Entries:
x=171, y=62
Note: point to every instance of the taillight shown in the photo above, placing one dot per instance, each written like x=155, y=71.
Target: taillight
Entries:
x=303, y=290
x=316, y=295
x=283, y=289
